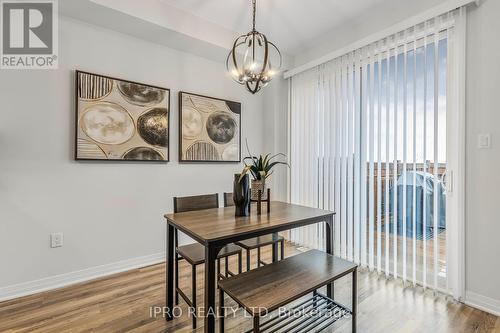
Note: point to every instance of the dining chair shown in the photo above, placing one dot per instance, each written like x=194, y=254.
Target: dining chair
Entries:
x=256, y=242
x=194, y=253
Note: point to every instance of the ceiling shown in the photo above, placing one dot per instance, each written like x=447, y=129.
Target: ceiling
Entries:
x=291, y=23
x=295, y=26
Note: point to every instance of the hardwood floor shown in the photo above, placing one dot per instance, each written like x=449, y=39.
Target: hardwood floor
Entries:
x=122, y=303
x=419, y=246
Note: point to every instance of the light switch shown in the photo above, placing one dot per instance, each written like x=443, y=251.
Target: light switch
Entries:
x=484, y=141
x=56, y=239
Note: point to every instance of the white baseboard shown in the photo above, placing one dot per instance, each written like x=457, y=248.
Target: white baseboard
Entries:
x=483, y=303
x=62, y=280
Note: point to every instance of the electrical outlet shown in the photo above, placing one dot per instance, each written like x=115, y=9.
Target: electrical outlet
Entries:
x=56, y=239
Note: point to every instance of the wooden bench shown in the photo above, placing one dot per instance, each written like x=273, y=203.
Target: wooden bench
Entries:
x=271, y=287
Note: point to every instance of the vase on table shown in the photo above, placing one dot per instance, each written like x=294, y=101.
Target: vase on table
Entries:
x=241, y=195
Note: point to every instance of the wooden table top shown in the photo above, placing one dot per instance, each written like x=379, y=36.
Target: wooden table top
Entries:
x=277, y=284
x=219, y=224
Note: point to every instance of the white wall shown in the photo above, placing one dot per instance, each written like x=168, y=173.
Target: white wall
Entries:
x=483, y=177
x=107, y=211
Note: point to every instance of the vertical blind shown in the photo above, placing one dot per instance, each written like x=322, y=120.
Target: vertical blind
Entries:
x=368, y=141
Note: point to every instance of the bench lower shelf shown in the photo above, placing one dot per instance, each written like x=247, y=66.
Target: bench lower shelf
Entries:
x=312, y=315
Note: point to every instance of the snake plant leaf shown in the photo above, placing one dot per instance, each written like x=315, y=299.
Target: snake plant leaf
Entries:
x=268, y=174
x=248, y=148
x=245, y=170
x=271, y=165
x=251, y=158
x=276, y=155
x=255, y=172
x=266, y=161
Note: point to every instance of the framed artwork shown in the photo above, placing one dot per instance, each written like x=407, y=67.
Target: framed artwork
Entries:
x=120, y=120
x=209, y=129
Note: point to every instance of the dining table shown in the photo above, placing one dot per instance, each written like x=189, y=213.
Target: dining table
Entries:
x=217, y=227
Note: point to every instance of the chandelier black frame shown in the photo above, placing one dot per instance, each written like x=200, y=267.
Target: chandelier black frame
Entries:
x=253, y=78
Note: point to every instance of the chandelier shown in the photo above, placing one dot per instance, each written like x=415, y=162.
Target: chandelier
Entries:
x=253, y=60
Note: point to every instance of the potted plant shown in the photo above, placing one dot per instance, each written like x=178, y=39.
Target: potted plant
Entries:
x=260, y=167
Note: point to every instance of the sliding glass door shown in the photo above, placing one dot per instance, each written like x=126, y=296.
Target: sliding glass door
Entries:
x=405, y=164
x=369, y=140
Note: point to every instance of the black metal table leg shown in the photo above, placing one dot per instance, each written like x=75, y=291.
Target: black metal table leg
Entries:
x=222, y=311
x=176, y=266
x=329, y=250
x=218, y=270
x=275, y=248
x=211, y=252
x=248, y=259
x=176, y=275
x=226, y=267
x=282, y=249
x=354, y=299
x=169, y=272
x=193, y=294
x=258, y=257
x=256, y=324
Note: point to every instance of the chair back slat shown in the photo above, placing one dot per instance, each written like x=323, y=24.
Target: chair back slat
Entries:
x=228, y=199
x=196, y=202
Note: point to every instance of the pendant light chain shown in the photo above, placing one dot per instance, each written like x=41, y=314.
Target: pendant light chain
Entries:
x=254, y=3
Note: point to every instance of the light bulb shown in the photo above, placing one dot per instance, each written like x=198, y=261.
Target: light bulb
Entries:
x=235, y=73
